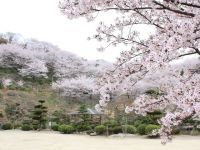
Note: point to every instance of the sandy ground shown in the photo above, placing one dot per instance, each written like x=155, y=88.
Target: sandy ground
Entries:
x=19, y=140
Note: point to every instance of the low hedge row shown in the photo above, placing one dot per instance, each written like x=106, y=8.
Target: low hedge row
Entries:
x=6, y=126
x=55, y=127
x=66, y=129
x=100, y=129
x=144, y=129
x=110, y=128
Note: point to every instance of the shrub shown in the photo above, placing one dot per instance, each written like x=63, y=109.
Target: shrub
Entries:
x=35, y=127
x=66, y=129
x=26, y=127
x=17, y=126
x=111, y=123
x=129, y=129
x=89, y=132
x=55, y=127
x=6, y=126
x=137, y=123
x=117, y=129
x=141, y=129
x=176, y=131
x=81, y=128
x=100, y=129
x=149, y=128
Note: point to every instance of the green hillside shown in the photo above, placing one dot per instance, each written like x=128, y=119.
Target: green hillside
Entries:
x=35, y=89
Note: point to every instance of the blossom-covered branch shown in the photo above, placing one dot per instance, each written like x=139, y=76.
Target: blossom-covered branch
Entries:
x=176, y=25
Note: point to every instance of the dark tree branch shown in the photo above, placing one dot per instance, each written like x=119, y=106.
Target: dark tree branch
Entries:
x=192, y=53
x=197, y=50
x=184, y=3
x=175, y=11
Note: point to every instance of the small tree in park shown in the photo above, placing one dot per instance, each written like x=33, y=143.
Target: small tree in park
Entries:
x=13, y=112
x=84, y=118
x=59, y=117
x=39, y=115
x=84, y=113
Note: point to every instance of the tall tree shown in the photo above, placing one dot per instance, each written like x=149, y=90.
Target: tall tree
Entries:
x=84, y=115
x=14, y=112
x=176, y=25
x=39, y=115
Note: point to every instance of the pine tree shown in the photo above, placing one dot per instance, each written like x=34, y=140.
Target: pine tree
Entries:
x=39, y=115
x=85, y=117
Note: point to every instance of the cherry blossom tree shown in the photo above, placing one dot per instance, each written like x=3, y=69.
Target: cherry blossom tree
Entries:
x=75, y=86
x=177, y=28
x=69, y=74
x=14, y=56
x=32, y=57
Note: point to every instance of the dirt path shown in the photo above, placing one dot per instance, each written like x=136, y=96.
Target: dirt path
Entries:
x=19, y=140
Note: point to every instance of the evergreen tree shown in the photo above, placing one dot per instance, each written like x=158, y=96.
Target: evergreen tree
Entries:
x=39, y=115
x=59, y=117
x=14, y=112
x=85, y=117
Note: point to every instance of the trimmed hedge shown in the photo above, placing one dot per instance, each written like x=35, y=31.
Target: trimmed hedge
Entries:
x=55, y=127
x=6, y=126
x=129, y=129
x=100, y=129
x=111, y=123
x=66, y=129
x=35, y=127
x=117, y=129
x=149, y=128
x=81, y=128
x=26, y=127
x=141, y=129
x=17, y=126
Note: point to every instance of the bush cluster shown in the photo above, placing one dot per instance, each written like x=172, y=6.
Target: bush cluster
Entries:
x=149, y=128
x=141, y=129
x=66, y=129
x=100, y=129
x=26, y=127
x=129, y=129
x=111, y=123
x=117, y=129
x=6, y=126
x=16, y=126
x=81, y=128
x=55, y=127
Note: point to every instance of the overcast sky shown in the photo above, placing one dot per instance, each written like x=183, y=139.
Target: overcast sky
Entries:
x=41, y=19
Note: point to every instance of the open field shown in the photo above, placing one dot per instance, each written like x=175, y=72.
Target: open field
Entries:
x=20, y=140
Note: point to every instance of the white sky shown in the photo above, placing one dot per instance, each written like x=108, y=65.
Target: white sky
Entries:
x=41, y=19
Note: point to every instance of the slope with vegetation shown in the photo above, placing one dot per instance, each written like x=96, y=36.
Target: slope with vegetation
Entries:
x=31, y=70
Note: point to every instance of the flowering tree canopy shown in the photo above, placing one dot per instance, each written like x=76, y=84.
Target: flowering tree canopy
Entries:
x=69, y=73
x=177, y=35
x=32, y=57
x=75, y=86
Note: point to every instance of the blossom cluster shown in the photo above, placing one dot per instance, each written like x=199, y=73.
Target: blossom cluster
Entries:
x=177, y=29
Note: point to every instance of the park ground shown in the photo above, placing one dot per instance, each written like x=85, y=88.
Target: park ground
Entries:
x=45, y=140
